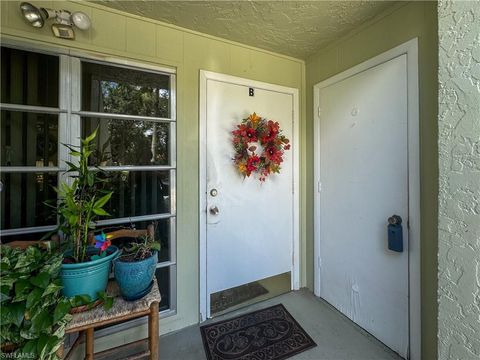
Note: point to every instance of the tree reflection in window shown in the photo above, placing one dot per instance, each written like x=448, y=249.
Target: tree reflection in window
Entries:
x=128, y=142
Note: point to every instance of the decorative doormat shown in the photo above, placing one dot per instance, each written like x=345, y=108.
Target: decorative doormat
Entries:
x=267, y=334
x=222, y=300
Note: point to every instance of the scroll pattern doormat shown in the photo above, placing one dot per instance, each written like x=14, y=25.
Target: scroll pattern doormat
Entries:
x=267, y=334
x=222, y=300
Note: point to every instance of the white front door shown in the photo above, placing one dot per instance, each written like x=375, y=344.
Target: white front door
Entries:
x=364, y=180
x=251, y=236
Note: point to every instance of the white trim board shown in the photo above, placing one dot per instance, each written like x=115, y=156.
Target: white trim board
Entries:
x=409, y=48
x=204, y=77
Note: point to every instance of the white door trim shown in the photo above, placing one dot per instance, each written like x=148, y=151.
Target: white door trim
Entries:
x=204, y=77
x=409, y=48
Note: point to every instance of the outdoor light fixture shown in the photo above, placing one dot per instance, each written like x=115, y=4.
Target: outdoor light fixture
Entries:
x=64, y=20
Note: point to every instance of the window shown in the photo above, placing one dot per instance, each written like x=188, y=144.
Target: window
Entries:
x=50, y=99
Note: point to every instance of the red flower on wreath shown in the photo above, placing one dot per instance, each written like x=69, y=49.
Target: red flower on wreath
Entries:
x=272, y=131
x=269, y=135
x=244, y=133
x=274, y=155
x=252, y=164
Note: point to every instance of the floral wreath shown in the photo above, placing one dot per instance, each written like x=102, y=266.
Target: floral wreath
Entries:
x=251, y=133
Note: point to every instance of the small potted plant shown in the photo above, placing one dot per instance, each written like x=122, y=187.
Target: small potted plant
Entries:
x=85, y=267
x=135, y=268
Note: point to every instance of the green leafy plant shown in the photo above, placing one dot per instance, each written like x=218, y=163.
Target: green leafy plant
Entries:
x=142, y=248
x=34, y=314
x=82, y=201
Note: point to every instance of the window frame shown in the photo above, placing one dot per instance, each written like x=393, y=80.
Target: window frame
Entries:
x=69, y=130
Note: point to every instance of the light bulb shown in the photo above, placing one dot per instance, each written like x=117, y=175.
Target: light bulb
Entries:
x=32, y=14
x=81, y=20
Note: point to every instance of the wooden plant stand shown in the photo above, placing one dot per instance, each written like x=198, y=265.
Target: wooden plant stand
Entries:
x=86, y=322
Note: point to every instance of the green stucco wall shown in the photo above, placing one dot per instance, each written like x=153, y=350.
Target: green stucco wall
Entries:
x=126, y=36
x=415, y=19
x=459, y=181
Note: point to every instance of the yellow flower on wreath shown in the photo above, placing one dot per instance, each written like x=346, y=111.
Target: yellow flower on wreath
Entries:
x=254, y=118
x=242, y=168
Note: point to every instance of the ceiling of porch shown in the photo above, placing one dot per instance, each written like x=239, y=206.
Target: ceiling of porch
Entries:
x=294, y=28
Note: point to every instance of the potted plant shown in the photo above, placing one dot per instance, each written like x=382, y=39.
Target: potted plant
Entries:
x=85, y=267
x=135, y=268
x=34, y=313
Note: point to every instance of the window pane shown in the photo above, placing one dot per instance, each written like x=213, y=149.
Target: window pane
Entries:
x=29, y=78
x=128, y=142
x=118, y=90
x=23, y=199
x=28, y=139
x=138, y=193
x=163, y=280
x=162, y=234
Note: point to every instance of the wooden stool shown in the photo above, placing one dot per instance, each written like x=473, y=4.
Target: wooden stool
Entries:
x=86, y=322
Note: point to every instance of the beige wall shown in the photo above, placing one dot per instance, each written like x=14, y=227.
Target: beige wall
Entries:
x=459, y=195
x=415, y=19
x=125, y=36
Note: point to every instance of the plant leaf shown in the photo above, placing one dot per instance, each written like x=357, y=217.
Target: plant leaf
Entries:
x=79, y=300
x=155, y=246
x=100, y=212
x=90, y=137
x=51, y=288
x=34, y=297
x=102, y=201
x=13, y=314
x=107, y=300
x=62, y=308
x=30, y=348
x=41, y=321
x=41, y=280
x=41, y=345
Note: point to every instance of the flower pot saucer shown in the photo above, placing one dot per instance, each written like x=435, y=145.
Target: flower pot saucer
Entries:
x=140, y=294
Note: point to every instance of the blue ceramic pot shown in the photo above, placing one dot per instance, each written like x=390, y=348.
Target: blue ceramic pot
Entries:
x=135, y=277
x=87, y=278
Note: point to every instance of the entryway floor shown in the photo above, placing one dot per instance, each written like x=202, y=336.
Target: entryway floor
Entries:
x=336, y=336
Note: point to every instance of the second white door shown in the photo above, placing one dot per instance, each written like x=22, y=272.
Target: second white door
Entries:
x=364, y=180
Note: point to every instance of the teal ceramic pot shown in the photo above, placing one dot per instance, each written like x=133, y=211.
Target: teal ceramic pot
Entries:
x=134, y=278
x=87, y=278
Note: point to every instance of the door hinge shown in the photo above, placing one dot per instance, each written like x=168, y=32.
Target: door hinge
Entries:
x=319, y=186
x=319, y=262
x=319, y=111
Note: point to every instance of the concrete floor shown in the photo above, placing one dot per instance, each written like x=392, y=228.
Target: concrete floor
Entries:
x=336, y=336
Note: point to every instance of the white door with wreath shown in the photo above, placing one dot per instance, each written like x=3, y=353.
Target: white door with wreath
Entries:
x=249, y=184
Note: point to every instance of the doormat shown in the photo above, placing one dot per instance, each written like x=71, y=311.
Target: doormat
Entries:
x=267, y=334
x=222, y=300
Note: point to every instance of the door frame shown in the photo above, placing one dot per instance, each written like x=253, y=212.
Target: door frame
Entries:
x=295, y=268
x=410, y=48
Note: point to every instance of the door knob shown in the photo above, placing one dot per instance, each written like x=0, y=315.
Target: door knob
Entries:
x=213, y=192
x=214, y=210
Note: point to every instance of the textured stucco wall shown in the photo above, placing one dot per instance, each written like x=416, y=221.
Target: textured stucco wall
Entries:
x=459, y=192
